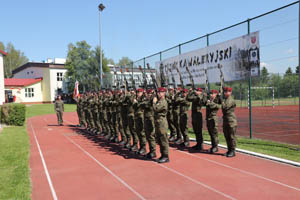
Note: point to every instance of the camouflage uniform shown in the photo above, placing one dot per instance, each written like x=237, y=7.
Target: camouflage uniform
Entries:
x=124, y=116
x=59, y=108
x=139, y=124
x=212, y=108
x=229, y=122
x=197, y=102
x=184, y=108
x=129, y=99
x=149, y=125
x=176, y=116
x=170, y=118
x=161, y=126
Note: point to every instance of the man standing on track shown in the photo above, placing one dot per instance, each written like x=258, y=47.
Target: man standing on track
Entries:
x=229, y=121
x=197, y=99
x=160, y=107
x=212, y=107
x=59, y=109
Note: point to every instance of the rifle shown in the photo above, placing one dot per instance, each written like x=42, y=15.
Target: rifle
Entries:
x=222, y=82
x=144, y=77
x=153, y=79
x=191, y=77
x=180, y=77
x=162, y=75
x=132, y=81
x=173, y=79
x=206, y=84
x=126, y=82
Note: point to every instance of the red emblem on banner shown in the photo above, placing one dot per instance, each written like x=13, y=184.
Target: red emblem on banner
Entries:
x=253, y=39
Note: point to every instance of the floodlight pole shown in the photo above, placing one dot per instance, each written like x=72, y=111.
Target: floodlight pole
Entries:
x=101, y=8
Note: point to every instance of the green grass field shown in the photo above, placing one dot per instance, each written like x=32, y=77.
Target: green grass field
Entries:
x=14, y=151
x=286, y=151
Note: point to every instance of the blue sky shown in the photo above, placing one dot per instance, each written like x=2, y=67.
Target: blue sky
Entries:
x=138, y=28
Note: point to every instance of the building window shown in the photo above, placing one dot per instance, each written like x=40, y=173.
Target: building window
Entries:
x=29, y=92
x=59, y=76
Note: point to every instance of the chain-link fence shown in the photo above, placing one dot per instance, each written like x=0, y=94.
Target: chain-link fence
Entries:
x=268, y=105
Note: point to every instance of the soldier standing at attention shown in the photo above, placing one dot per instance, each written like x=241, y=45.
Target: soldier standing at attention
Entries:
x=197, y=99
x=170, y=117
x=59, y=109
x=184, y=108
x=160, y=107
x=149, y=124
x=139, y=120
x=124, y=116
x=229, y=121
x=129, y=98
x=212, y=107
x=176, y=115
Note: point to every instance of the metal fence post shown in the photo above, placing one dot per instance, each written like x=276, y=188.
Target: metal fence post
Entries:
x=179, y=48
x=160, y=56
x=250, y=83
x=207, y=44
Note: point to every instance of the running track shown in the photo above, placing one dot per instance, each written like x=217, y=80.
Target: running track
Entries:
x=68, y=165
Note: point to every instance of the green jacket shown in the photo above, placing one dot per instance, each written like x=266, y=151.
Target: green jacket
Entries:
x=212, y=108
x=197, y=101
x=228, y=107
x=59, y=105
x=160, y=109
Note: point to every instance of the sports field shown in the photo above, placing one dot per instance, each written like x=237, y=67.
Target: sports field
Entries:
x=280, y=124
x=68, y=163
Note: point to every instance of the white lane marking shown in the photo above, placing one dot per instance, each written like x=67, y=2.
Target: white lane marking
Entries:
x=108, y=170
x=197, y=182
x=44, y=165
x=242, y=171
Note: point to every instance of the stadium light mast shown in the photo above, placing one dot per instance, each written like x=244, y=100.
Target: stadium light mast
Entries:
x=101, y=7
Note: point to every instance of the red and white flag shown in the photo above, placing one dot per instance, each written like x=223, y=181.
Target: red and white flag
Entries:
x=76, y=91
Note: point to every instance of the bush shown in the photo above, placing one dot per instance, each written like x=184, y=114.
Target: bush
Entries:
x=13, y=114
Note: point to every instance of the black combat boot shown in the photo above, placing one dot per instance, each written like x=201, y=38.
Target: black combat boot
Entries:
x=134, y=148
x=230, y=153
x=197, y=147
x=142, y=151
x=163, y=159
x=213, y=150
x=172, y=139
x=128, y=145
x=178, y=141
x=151, y=155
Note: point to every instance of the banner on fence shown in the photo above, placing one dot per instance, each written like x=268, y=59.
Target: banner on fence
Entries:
x=236, y=59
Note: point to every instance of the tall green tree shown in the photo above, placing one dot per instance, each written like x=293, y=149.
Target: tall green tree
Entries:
x=264, y=75
x=13, y=60
x=124, y=61
x=289, y=71
x=83, y=65
x=297, y=70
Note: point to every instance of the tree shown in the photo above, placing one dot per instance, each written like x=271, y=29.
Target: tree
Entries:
x=124, y=61
x=83, y=65
x=264, y=74
x=289, y=71
x=297, y=70
x=13, y=60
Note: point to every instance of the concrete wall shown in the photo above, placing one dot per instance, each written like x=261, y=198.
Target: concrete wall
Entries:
x=54, y=84
x=30, y=72
x=2, y=95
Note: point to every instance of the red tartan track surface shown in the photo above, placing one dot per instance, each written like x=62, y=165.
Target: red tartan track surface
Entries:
x=67, y=163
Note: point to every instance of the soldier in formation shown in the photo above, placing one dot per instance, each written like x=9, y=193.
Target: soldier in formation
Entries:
x=135, y=118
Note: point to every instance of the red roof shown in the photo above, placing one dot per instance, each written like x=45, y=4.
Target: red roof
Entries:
x=20, y=81
x=3, y=53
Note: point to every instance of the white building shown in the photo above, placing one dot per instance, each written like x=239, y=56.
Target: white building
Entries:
x=52, y=75
x=130, y=74
x=2, y=96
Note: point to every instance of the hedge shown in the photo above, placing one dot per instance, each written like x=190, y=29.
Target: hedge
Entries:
x=13, y=114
